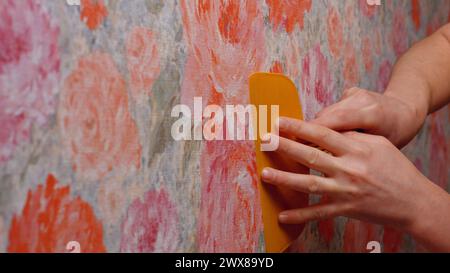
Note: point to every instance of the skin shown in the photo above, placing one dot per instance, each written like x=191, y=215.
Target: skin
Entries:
x=365, y=174
x=419, y=85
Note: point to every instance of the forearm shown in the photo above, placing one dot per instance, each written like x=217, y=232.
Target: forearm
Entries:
x=421, y=77
x=432, y=225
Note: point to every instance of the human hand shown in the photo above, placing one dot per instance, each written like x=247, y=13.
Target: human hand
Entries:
x=366, y=177
x=379, y=114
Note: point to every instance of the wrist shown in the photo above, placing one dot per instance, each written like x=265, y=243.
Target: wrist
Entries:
x=428, y=223
x=418, y=224
x=406, y=117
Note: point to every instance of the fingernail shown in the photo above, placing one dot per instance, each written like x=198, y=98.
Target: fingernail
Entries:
x=283, y=217
x=265, y=174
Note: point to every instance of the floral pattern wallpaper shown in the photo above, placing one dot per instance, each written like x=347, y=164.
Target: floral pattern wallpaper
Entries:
x=86, y=93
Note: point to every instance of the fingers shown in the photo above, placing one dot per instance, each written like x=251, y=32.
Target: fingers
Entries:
x=356, y=110
x=317, y=212
x=348, y=93
x=345, y=119
x=301, y=182
x=317, y=134
x=308, y=156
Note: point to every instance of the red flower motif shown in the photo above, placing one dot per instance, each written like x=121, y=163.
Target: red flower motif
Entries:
x=230, y=218
x=288, y=14
x=150, y=225
x=358, y=234
x=51, y=218
x=93, y=12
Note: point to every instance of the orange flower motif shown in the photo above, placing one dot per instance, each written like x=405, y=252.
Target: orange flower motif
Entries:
x=225, y=45
x=288, y=14
x=143, y=61
x=351, y=72
x=93, y=12
x=335, y=32
x=96, y=126
x=277, y=67
x=51, y=218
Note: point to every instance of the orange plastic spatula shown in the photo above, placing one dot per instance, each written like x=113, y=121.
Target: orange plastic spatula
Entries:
x=275, y=89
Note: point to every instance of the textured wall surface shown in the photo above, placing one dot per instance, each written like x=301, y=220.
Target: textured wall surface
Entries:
x=86, y=94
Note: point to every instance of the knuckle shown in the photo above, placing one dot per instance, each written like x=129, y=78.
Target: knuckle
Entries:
x=354, y=192
x=350, y=134
x=377, y=108
x=356, y=171
x=313, y=157
x=365, y=99
x=282, y=180
x=362, y=150
x=351, y=91
x=320, y=113
x=365, y=95
x=382, y=141
x=275, y=176
x=297, y=127
x=320, y=214
x=348, y=208
x=292, y=125
x=283, y=145
x=362, y=170
x=340, y=114
x=313, y=186
x=323, y=133
x=347, y=91
x=291, y=148
x=287, y=124
x=349, y=171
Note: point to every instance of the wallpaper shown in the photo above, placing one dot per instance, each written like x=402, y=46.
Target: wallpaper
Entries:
x=86, y=93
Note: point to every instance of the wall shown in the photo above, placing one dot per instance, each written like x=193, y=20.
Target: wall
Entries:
x=85, y=99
